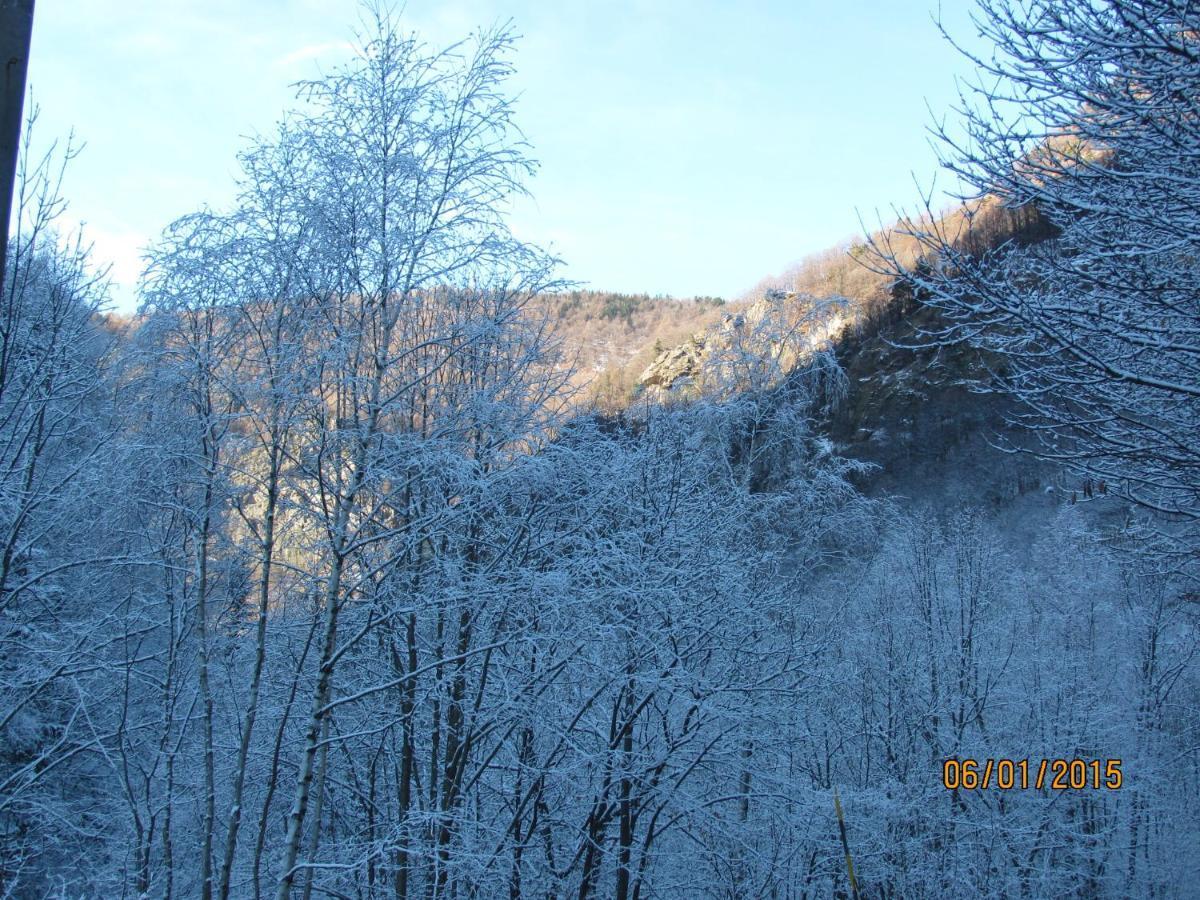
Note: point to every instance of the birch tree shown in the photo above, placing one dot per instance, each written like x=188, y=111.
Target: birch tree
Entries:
x=413, y=159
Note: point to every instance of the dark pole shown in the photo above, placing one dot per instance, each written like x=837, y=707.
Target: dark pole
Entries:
x=16, y=29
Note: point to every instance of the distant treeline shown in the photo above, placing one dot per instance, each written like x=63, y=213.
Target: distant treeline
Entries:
x=614, y=305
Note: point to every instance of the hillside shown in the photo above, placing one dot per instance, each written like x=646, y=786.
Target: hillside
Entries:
x=905, y=409
x=610, y=337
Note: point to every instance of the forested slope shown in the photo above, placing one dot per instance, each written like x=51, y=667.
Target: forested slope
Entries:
x=320, y=576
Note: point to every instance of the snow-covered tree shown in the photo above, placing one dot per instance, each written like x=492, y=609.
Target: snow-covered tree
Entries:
x=1085, y=113
x=56, y=426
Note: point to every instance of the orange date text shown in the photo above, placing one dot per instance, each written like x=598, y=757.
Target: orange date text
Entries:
x=1022, y=774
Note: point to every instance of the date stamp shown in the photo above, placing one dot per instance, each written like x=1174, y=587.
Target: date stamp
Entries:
x=1022, y=774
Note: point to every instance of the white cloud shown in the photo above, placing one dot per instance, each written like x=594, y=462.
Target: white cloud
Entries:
x=313, y=51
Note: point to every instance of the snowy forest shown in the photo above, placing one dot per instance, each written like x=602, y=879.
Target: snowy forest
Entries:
x=324, y=575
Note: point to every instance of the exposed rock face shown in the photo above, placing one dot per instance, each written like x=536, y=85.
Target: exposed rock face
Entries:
x=675, y=363
x=780, y=329
x=680, y=366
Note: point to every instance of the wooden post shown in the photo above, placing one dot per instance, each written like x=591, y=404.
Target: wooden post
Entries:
x=837, y=805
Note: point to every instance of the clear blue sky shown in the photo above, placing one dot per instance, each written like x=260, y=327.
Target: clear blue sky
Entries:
x=687, y=147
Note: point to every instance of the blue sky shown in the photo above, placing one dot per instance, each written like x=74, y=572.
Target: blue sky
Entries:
x=685, y=147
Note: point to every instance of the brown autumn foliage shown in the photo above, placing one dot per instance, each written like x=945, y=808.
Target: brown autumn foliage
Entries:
x=612, y=336
x=860, y=272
